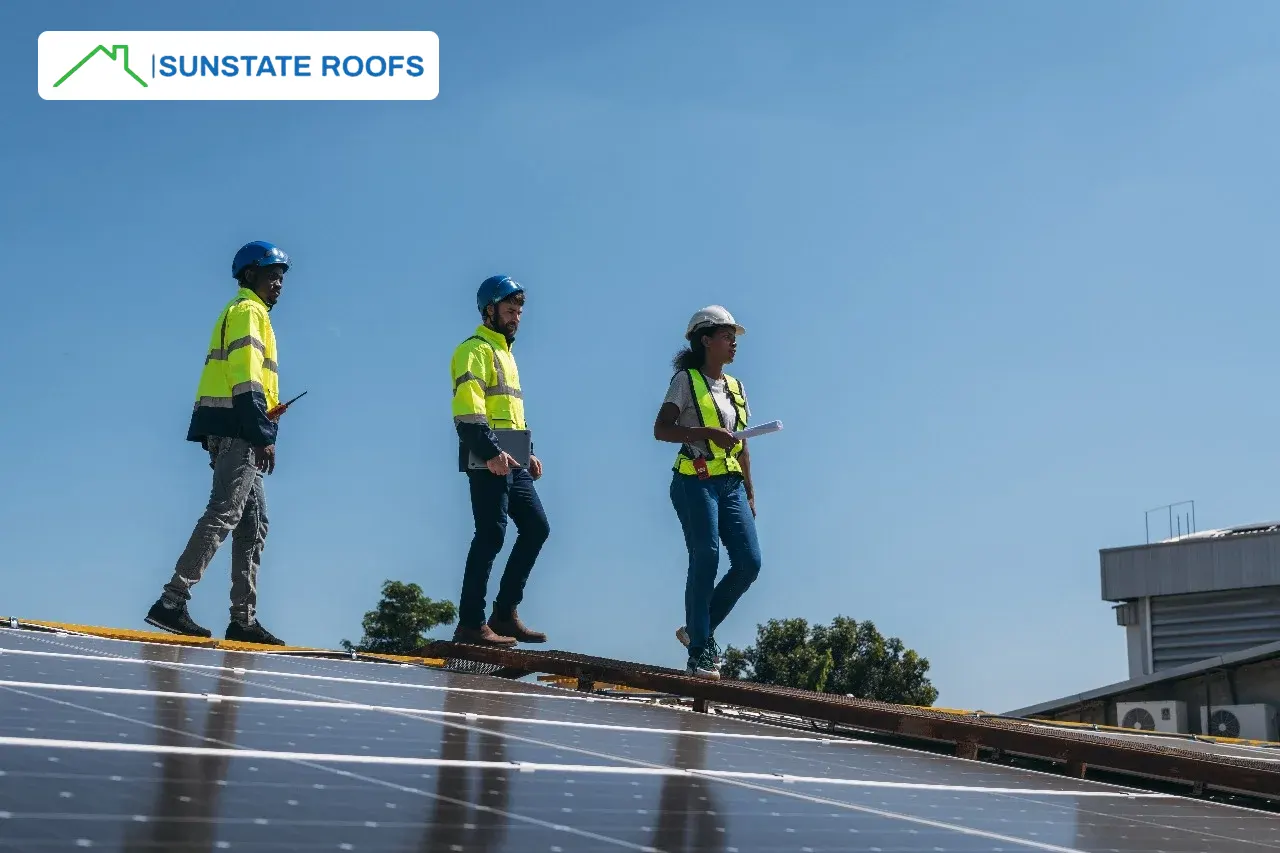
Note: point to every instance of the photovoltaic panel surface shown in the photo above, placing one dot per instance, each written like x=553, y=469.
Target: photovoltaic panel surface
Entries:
x=115, y=745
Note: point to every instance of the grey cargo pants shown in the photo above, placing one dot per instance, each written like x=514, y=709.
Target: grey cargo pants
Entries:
x=237, y=506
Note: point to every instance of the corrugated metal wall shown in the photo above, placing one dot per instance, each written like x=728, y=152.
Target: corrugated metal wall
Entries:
x=1189, y=628
x=1191, y=566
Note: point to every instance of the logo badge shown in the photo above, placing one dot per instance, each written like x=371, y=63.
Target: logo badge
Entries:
x=250, y=65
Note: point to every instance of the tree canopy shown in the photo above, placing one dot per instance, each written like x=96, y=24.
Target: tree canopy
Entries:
x=846, y=657
x=403, y=615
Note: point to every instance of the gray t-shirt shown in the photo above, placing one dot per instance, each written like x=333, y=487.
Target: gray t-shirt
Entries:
x=680, y=393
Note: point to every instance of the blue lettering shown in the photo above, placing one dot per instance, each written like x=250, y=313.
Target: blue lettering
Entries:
x=415, y=66
x=329, y=63
x=208, y=66
x=346, y=66
x=382, y=66
x=182, y=66
x=248, y=65
x=167, y=68
x=229, y=67
x=266, y=67
x=396, y=63
x=302, y=66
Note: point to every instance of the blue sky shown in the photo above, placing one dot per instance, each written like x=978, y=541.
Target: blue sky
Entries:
x=1007, y=270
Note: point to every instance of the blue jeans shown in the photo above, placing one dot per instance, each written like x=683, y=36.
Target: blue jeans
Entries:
x=711, y=511
x=493, y=499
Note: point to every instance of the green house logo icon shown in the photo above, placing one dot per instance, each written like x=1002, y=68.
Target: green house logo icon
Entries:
x=120, y=51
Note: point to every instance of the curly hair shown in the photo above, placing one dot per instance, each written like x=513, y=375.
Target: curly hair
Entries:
x=695, y=355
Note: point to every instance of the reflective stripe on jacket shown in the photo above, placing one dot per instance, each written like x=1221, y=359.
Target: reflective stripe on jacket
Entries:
x=240, y=382
x=721, y=461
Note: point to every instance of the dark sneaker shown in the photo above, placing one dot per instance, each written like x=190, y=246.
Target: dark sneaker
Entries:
x=716, y=652
x=254, y=633
x=511, y=626
x=482, y=636
x=175, y=620
x=682, y=634
x=704, y=665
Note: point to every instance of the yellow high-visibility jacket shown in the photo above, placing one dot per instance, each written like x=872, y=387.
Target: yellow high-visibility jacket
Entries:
x=486, y=391
x=240, y=382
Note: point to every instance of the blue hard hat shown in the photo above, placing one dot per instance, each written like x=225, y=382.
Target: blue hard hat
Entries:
x=259, y=253
x=496, y=288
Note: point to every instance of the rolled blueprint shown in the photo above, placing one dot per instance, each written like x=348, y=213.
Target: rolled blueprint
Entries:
x=759, y=429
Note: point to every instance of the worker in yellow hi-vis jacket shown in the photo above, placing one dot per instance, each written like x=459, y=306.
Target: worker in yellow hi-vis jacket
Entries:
x=235, y=420
x=487, y=396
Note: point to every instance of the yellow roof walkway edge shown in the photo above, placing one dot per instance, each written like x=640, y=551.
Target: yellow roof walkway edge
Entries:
x=162, y=637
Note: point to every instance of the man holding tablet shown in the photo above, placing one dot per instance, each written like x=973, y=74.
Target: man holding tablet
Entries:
x=496, y=452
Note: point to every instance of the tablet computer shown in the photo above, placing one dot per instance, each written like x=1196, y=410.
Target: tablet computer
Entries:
x=517, y=442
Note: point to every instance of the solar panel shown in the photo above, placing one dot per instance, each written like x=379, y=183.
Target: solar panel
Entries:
x=132, y=746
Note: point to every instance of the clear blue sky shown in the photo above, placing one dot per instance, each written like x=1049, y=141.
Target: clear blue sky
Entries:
x=1008, y=272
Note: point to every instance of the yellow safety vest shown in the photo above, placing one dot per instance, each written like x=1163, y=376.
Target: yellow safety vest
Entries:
x=240, y=381
x=721, y=461
x=486, y=383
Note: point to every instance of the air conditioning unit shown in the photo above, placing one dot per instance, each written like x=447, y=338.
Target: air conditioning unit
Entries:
x=1159, y=716
x=1250, y=722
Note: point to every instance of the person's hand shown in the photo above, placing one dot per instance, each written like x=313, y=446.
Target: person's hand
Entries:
x=265, y=458
x=751, y=502
x=275, y=412
x=535, y=466
x=502, y=464
x=722, y=437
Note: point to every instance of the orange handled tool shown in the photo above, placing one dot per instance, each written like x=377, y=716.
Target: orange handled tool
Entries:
x=279, y=410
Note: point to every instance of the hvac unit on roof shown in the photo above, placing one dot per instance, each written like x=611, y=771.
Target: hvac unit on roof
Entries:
x=1159, y=716
x=1250, y=722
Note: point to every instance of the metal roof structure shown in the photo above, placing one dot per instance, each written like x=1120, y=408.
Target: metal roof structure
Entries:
x=1256, y=654
x=1263, y=528
x=148, y=743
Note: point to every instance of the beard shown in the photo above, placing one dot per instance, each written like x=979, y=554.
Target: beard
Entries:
x=507, y=330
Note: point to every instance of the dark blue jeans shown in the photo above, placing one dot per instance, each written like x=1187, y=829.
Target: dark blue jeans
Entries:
x=493, y=499
x=712, y=511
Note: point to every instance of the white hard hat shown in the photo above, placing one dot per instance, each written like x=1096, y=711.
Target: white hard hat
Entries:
x=712, y=315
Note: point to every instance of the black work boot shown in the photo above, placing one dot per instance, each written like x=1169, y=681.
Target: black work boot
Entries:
x=482, y=636
x=175, y=620
x=509, y=623
x=253, y=633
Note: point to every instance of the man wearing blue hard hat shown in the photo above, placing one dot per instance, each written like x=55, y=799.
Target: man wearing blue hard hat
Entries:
x=488, y=406
x=234, y=419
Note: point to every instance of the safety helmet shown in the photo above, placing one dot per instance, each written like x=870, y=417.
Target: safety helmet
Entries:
x=259, y=253
x=496, y=288
x=712, y=315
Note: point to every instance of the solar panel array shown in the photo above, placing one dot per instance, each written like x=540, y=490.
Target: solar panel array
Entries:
x=133, y=746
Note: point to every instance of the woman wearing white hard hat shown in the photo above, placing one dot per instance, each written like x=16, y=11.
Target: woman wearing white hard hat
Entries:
x=711, y=484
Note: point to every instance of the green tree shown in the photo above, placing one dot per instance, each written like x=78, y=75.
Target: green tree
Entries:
x=404, y=614
x=846, y=657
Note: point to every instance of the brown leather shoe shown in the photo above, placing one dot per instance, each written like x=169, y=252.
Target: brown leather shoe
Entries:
x=511, y=626
x=482, y=636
